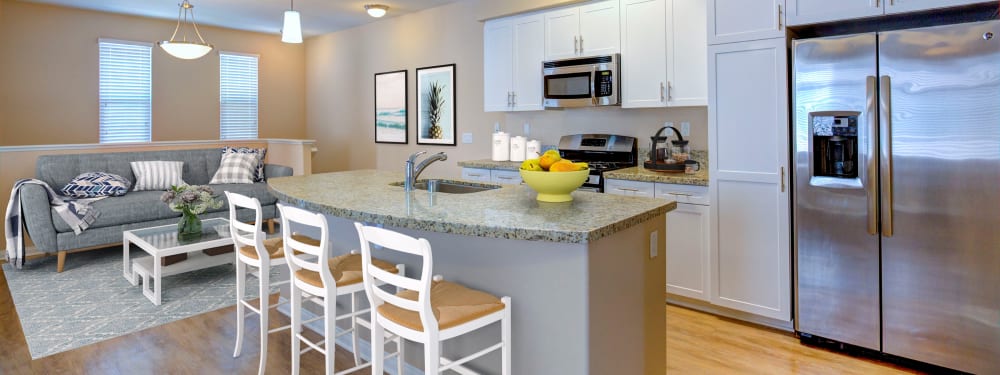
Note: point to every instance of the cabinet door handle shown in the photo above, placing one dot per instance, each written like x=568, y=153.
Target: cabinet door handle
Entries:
x=576, y=45
x=505, y=178
x=779, y=16
x=475, y=175
x=782, y=179
x=663, y=91
x=513, y=98
x=508, y=98
x=670, y=91
x=627, y=189
x=875, y=3
x=581, y=44
x=680, y=194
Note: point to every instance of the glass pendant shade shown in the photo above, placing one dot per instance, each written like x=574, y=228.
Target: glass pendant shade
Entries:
x=291, y=31
x=376, y=10
x=184, y=49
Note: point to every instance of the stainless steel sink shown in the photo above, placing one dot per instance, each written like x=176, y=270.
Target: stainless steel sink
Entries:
x=450, y=186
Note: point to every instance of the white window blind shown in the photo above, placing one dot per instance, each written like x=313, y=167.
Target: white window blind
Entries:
x=238, y=96
x=125, y=91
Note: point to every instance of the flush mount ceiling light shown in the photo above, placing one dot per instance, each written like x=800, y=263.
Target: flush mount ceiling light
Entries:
x=291, y=29
x=184, y=49
x=376, y=10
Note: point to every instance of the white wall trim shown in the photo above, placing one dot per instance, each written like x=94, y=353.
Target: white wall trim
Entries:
x=89, y=146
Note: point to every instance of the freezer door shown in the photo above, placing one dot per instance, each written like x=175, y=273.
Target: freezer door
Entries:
x=836, y=207
x=940, y=165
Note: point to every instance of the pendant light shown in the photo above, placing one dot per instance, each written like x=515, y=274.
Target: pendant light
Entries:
x=184, y=49
x=291, y=30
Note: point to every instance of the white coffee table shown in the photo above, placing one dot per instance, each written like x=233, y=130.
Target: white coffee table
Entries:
x=161, y=242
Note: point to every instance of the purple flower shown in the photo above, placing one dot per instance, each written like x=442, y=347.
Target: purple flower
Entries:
x=189, y=196
x=167, y=196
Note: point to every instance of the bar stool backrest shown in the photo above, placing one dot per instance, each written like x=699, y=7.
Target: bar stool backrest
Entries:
x=387, y=240
x=319, y=255
x=244, y=234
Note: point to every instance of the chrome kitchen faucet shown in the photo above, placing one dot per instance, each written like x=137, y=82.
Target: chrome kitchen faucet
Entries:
x=412, y=172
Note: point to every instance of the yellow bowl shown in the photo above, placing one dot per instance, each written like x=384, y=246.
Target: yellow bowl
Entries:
x=554, y=186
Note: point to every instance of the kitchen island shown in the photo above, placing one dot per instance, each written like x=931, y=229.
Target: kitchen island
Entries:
x=585, y=277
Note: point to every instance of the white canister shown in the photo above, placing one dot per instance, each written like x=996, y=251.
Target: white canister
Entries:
x=533, y=149
x=501, y=146
x=517, y=145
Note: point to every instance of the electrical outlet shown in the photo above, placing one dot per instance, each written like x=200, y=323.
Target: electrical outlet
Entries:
x=466, y=137
x=527, y=129
x=653, y=248
x=685, y=128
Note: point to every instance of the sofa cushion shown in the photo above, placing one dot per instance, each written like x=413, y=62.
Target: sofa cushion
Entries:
x=142, y=206
x=157, y=174
x=97, y=184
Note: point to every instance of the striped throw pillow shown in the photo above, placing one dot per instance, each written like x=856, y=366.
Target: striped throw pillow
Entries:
x=97, y=184
x=157, y=175
x=235, y=168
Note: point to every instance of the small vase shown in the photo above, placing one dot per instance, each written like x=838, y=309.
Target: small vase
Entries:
x=189, y=227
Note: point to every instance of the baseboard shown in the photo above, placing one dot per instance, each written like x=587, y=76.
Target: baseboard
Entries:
x=706, y=307
x=389, y=365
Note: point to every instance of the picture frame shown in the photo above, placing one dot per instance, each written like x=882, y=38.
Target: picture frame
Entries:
x=436, y=96
x=391, y=107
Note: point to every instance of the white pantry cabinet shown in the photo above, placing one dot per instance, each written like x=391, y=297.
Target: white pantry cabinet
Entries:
x=741, y=20
x=663, y=53
x=803, y=12
x=748, y=146
x=513, y=50
x=586, y=30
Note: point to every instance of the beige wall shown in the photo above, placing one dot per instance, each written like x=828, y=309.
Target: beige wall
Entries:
x=49, y=75
x=340, y=68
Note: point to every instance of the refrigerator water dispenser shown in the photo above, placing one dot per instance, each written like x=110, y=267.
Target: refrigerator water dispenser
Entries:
x=835, y=144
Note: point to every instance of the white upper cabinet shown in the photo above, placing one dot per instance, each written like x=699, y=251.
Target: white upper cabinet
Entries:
x=586, y=30
x=513, y=50
x=903, y=6
x=687, y=68
x=529, y=51
x=498, y=65
x=801, y=12
x=741, y=20
x=644, y=53
x=663, y=53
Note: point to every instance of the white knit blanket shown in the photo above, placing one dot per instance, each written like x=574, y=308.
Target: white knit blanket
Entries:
x=75, y=212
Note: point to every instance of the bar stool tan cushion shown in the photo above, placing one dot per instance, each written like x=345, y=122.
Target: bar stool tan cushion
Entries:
x=275, y=247
x=345, y=269
x=453, y=304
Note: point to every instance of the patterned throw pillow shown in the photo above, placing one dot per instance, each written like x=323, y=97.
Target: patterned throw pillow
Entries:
x=235, y=168
x=97, y=184
x=260, y=153
x=157, y=175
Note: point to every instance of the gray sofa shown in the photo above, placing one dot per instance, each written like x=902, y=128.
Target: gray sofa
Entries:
x=136, y=209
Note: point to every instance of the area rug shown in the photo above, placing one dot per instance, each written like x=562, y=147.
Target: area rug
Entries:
x=91, y=301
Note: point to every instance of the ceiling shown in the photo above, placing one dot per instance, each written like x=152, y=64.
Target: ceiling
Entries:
x=318, y=16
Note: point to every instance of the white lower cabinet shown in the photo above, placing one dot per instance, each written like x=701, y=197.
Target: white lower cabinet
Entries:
x=687, y=254
x=476, y=174
x=496, y=176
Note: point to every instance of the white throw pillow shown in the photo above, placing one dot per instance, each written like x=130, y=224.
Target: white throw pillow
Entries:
x=235, y=168
x=157, y=175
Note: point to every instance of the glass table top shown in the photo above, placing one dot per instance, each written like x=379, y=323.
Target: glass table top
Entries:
x=163, y=237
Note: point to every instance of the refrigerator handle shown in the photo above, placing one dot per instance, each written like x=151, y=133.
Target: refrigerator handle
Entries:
x=885, y=152
x=871, y=163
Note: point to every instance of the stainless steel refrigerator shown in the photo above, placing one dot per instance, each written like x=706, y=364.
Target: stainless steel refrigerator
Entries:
x=897, y=201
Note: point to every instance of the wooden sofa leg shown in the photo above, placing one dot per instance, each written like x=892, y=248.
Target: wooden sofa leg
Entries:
x=60, y=261
x=270, y=226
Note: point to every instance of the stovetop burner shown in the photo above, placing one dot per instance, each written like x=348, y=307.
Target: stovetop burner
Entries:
x=604, y=166
x=603, y=152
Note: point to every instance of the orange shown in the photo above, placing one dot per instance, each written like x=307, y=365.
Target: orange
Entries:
x=548, y=158
x=563, y=166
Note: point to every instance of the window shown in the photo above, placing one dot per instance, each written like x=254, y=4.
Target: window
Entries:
x=125, y=91
x=237, y=96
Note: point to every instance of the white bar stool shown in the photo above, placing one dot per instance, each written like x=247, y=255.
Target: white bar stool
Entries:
x=427, y=312
x=252, y=249
x=322, y=278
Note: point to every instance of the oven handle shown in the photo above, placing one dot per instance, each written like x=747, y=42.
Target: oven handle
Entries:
x=593, y=85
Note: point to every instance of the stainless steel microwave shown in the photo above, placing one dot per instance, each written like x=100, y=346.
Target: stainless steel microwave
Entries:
x=581, y=82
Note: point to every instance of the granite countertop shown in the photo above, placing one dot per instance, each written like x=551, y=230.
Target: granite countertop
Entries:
x=490, y=164
x=510, y=212
x=699, y=178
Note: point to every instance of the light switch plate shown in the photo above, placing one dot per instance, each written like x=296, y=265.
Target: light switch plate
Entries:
x=466, y=137
x=653, y=248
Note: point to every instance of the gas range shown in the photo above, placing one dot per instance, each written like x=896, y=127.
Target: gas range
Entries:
x=603, y=152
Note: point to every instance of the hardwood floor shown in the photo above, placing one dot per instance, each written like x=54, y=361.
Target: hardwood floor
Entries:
x=697, y=343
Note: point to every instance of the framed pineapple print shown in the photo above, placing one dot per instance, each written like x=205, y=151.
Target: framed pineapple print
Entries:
x=436, y=105
x=390, y=107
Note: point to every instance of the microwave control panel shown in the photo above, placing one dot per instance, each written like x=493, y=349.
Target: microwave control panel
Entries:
x=604, y=86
